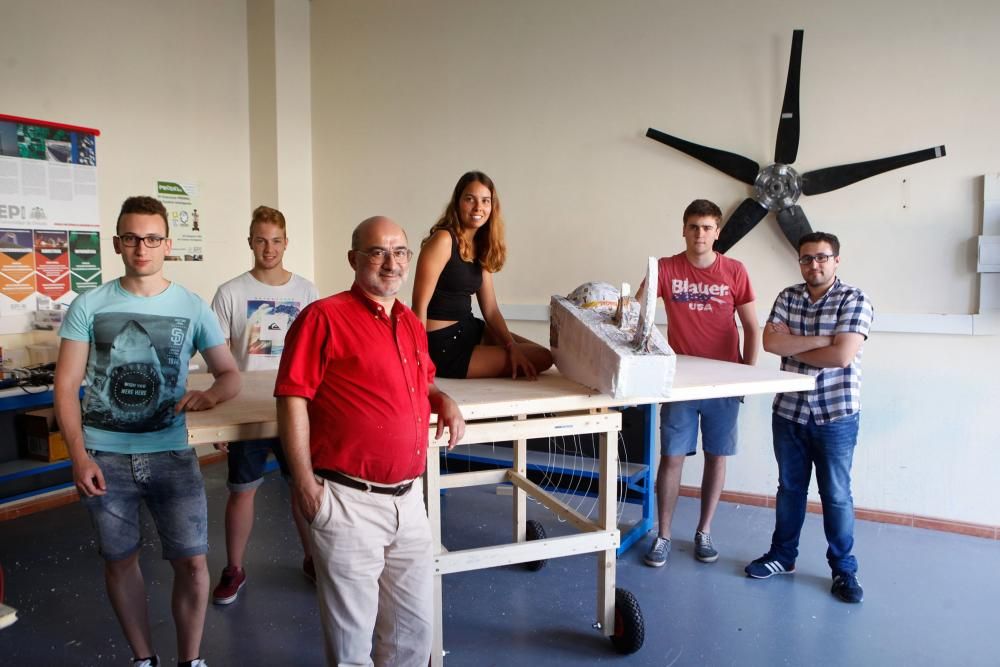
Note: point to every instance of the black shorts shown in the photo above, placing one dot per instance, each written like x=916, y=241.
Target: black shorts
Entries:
x=451, y=347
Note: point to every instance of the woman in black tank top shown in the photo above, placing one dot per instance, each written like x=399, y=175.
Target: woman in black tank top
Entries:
x=458, y=259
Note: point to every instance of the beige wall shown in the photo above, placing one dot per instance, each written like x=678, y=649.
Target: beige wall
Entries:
x=280, y=139
x=552, y=100
x=167, y=87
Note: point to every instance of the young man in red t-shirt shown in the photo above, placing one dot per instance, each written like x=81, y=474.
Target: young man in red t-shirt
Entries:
x=702, y=290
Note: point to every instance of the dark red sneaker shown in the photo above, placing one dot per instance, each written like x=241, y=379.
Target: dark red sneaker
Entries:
x=233, y=580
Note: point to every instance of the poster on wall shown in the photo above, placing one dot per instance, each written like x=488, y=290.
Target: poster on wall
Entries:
x=181, y=200
x=48, y=202
x=84, y=261
x=17, y=271
x=52, y=264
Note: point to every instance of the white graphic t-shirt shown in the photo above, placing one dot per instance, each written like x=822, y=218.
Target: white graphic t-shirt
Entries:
x=255, y=317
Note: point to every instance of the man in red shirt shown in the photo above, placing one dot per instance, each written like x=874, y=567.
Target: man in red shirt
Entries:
x=701, y=290
x=355, y=390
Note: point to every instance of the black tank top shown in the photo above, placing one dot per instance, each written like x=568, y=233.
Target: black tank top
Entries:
x=459, y=280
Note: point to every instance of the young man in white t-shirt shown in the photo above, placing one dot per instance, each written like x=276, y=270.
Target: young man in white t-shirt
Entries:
x=255, y=310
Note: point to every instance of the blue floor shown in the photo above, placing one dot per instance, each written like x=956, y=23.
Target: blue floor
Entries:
x=930, y=598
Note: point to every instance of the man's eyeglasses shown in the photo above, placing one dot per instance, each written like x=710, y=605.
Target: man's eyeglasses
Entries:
x=822, y=258
x=131, y=240
x=378, y=255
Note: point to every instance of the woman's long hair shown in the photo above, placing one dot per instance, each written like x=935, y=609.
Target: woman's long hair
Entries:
x=488, y=244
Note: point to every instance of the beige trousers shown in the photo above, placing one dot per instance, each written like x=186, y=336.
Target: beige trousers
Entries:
x=374, y=575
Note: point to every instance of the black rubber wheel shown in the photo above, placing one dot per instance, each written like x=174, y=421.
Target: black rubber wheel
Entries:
x=534, y=530
x=630, y=629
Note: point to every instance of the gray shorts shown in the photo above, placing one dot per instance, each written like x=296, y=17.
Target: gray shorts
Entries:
x=171, y=485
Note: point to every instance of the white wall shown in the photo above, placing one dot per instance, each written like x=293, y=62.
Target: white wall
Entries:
x=552, y=100
x=280, y=122
x=166, y=84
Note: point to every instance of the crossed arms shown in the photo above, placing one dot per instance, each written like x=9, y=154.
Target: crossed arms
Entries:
x=820, y=351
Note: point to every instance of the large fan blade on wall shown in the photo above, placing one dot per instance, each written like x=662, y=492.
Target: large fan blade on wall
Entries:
x=737, y=166
x=777, y=187
x=818, y=181
x=787, y=144
x=744, y=218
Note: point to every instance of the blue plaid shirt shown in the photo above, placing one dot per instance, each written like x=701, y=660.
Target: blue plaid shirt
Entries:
x=843, y=309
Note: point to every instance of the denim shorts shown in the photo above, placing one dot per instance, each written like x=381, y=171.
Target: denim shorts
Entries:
x=451, y=347
x=247, y=461
x=679, y=426
x=171, y=485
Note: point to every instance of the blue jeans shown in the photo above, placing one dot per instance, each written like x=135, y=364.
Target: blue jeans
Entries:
x=171, y=486
x=830, y=447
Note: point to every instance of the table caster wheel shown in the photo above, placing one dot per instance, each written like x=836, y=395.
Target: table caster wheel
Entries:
x=630, y=629
x=534, y=530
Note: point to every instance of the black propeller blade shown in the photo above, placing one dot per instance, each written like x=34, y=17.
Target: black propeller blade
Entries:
x=744, y=218
x=794, y=224
x=832, y=178
x=737, y=166
x=787, y=145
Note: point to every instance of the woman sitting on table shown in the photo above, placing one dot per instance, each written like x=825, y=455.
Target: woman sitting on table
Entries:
x=458, y=259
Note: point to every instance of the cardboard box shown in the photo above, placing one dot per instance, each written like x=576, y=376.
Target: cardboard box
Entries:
x=41, y=435
x=42, y=353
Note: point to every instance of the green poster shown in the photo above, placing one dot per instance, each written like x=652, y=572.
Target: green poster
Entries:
x=84, y=261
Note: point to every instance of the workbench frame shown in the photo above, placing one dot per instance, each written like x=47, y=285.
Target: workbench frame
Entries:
x=600, y=536
x=517, y=406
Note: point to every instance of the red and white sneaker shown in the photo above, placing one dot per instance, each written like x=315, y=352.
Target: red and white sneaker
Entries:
x=233, y=580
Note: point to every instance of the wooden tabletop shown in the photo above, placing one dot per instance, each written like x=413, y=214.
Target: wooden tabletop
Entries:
x=252, y=414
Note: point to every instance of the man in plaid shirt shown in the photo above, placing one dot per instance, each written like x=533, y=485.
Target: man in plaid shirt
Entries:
x=818, y=328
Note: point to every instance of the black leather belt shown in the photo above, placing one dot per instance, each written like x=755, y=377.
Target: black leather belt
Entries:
x=341, y=478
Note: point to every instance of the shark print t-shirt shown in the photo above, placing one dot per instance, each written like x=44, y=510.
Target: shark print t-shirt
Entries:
x=138, y=364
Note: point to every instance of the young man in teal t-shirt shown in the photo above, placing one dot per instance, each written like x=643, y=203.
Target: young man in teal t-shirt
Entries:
x=131, y=340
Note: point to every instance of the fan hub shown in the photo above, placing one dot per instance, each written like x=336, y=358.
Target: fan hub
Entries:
x=777, y=187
